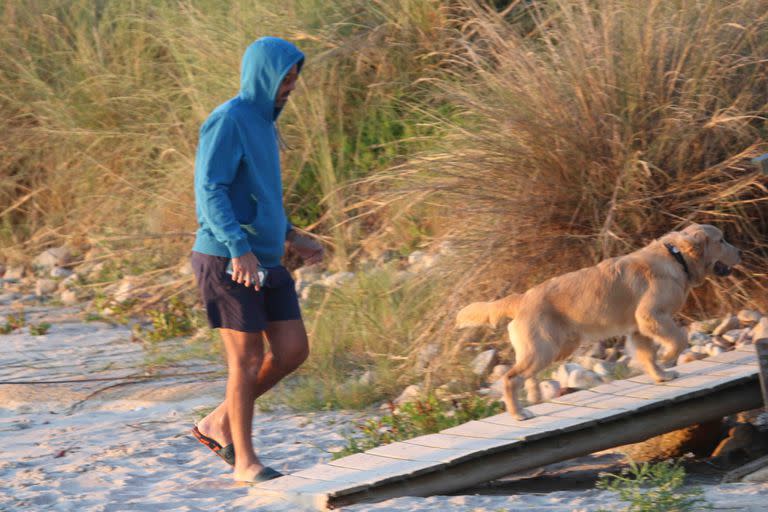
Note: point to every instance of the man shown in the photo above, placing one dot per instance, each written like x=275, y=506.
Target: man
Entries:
x=241, y=239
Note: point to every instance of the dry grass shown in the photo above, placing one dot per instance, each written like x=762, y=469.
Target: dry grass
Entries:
x=590, y=128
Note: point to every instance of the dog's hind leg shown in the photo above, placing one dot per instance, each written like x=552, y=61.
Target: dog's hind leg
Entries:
x=511, y=382
x=532, y=391
x=645, y=353
x=654, y=322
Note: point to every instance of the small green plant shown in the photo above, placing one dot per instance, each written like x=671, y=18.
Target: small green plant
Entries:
x=417, y=418
x=172, y=321
x=653, y=487
x=12, y=322
x=39, y=329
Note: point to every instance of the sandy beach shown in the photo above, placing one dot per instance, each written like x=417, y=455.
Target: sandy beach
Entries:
x=124, y=443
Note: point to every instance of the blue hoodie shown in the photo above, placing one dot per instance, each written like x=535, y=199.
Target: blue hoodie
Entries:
x=238, y=185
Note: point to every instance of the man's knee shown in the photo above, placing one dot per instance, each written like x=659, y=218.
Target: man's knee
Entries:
x=290, y=359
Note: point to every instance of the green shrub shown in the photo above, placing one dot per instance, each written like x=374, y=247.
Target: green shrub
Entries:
x=654, y=487
x=417, y=418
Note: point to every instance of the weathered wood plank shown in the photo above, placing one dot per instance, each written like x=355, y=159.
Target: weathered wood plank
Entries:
x=591, y=414
x=413, y=452
x=491, y=431
x=454, y=442
x=735, y=357
x=552, y=424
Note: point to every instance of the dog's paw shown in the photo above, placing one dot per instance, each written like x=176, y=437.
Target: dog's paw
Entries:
x=523, y=414
x=665, y=375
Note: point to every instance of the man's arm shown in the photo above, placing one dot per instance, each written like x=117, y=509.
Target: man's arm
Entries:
x=218, y=157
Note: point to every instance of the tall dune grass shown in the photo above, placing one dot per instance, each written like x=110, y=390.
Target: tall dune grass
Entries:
x=596, y=129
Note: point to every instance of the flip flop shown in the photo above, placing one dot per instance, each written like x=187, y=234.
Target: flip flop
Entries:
x=265, y=474
x=227, y=453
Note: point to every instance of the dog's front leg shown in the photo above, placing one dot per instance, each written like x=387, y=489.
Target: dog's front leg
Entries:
x=658, y=325
x=645, y=354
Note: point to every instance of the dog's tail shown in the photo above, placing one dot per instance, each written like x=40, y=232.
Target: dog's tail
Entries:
x=484, y=313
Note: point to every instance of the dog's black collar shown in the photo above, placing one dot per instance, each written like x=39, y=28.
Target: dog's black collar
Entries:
x=675, y=252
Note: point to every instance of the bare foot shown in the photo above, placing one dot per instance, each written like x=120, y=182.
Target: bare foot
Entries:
x=248, y=474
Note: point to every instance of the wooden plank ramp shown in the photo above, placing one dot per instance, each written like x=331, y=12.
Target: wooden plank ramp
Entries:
x=606, y=416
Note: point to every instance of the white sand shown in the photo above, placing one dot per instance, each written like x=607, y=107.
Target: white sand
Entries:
x=129, y=448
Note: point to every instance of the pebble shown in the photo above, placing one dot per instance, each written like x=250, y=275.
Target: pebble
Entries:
x=483, y=363
x=45, y=287
x=549, y=389
x=409, y=394
x=749, y=317
x=498, y=372
x=583, y=379
x=728, y=323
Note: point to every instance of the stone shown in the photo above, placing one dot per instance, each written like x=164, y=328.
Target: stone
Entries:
x=427, y=353
x=54, y=257
x=760, y=331
x=713, y=350
x=497, y=389
x=68, y=282
x=604, y=368
x=125, y=289
x=549, y=389
x=728, y=323
x=758, y=477
x=688, y=356
x=704, y=326
x=68, y=297
x=410, y=394
x=60, y=272
x=596, y=351
x=338, y=279
x=498, y=372
x=734, y=335
x=699, y=349
x=45, y=287
x=563, y=371
x=484, y=361
x=749, y=317
x=366, y=379
x=583, y=379
x=698, y=338
x=14, y=272
x=586, y=362
x=185, y=268
x=415, y=257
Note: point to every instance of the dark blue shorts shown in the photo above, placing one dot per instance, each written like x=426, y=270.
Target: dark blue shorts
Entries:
x=231, y=305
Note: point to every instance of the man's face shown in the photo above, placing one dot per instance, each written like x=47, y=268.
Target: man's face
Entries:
x=288, y=85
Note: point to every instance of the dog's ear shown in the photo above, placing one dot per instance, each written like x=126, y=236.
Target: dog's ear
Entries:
x=696, y=240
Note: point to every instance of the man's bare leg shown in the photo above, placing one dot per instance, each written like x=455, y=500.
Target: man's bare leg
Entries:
x=288, y=349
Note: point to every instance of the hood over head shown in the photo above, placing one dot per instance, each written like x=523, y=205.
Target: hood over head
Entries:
x=265, y=63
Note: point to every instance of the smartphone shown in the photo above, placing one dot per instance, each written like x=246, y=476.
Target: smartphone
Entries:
x=261, y=273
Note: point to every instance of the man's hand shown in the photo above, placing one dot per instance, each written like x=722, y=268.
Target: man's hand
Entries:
x=245, y=270
x=309, y=249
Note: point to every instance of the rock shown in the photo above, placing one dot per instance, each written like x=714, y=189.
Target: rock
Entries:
x=185, y=268
x=704, y=326
x=498, y=372
x=596, y=351
x=583, y=379
x=549, y=389
x=688, y=356
x=700, y=349
x=409, y=394
x=749, y=317
x=698, y=338
x=416, y=257
x=722, y=342
x=14, y=272
x=612, y=354
x=427, y=353
x=497, y=389
x=338, y=279
x=45, y=287
x=54, y=257
x=60, y=272
x=69, y=282
x=713, y=350
x=733, y=335
x=125, y=289
x=308, y=274
x=604, y=368
x=564, y=371
x=483, y=362
x=68, y=297
x=366, y=379
x=728, y=323
x=760, y=331
x=586, y=362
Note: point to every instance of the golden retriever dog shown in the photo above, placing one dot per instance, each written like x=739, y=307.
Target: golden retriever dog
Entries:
x=635, y=295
